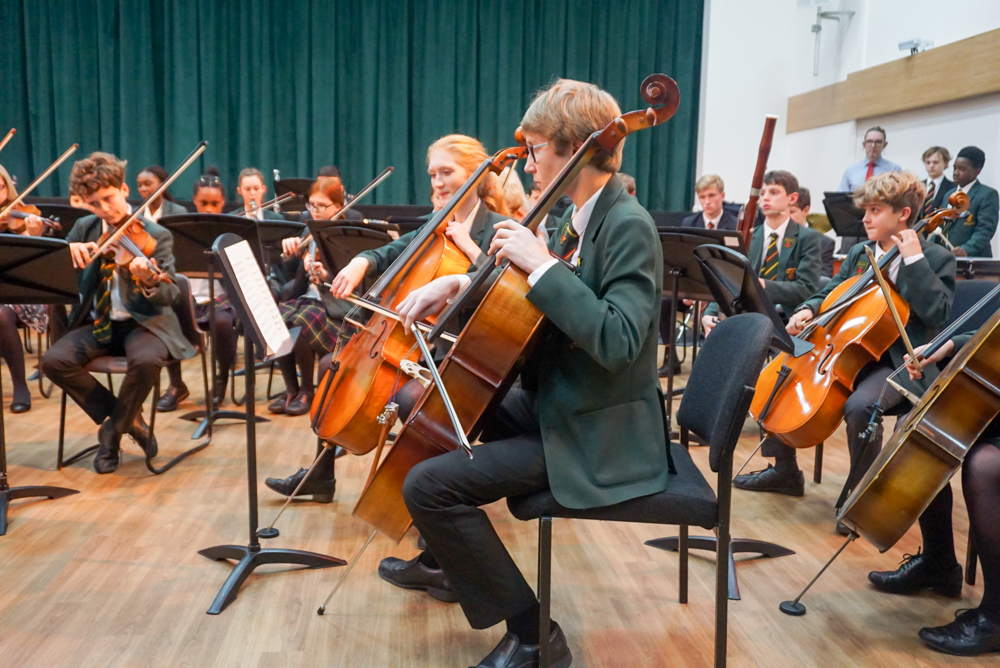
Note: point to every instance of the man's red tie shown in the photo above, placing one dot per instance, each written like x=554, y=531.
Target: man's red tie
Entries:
x=711, y=225
x=871, y=168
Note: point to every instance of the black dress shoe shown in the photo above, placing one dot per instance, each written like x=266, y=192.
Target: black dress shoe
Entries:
x=414, y=575
x=279, y=405
x=971, y=634
x=664, y=370
x=172, y=396
x=107, y=458
x=143, y=437
x=321, y=490
x=300, y=405
x=510, y=653
x=770, y=480
x=915, y=574
x=218, y=390
x=20, y=406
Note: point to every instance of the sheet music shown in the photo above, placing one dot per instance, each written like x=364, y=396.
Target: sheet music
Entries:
x=259, y=301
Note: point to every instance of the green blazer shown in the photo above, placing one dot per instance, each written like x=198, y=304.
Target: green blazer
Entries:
x=481, y=231
x=800, y=264
x=928, y=286
x=974, y=229
x=599, y=407
x=152, y=309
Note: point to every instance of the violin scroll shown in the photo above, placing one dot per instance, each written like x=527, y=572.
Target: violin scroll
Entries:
x=659, y=89
x=959, y=201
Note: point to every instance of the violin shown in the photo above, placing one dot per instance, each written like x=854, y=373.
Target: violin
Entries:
x=15, y=222
x=801, y=400
x=13, y=215
x=489, y=353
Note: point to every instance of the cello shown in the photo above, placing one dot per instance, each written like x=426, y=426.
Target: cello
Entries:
x=801, y=400
x=493, y=345
x=357, y=388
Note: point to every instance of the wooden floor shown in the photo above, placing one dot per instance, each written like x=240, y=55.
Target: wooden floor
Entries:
x=112, y=576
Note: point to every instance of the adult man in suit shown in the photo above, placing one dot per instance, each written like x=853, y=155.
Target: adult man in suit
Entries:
x=874, y=164
x=123, y=310
x=936, y=160
x=799, y=212
x=972, y=233
x=711, y=192
x=590, y=427
x=785, y=255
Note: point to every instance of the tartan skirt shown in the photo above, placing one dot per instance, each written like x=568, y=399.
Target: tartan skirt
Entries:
x=319, y=329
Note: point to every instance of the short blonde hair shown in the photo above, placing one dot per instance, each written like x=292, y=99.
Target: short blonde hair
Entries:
x=11, y=189
x=470, y=153
x=97, y=171
x=569, y=111
x=895, y=189
x=710, y=181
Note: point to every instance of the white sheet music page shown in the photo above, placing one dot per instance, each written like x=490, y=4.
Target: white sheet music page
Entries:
x=263, y=308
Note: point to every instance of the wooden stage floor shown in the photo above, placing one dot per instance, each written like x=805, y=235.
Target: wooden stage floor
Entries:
x=112, y=577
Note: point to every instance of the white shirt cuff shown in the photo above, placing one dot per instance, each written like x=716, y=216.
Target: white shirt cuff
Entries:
x=913, y=258
x=537, y=273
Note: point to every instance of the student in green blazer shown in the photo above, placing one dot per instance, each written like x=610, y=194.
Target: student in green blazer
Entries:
x=123, y=310
x=590, y=425
x=972, y=232
x=251, y=187
x=790, y=261
x=147, y=181
x=923, y=272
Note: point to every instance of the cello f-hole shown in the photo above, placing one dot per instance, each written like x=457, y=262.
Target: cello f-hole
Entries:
x=825, y=359
x=372, y=352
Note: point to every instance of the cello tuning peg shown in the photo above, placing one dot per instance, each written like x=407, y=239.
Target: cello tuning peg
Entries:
x=651, y=116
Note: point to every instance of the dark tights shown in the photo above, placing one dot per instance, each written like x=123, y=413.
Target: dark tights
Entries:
x=13, y=354
x=303, y=357
x=224, y=339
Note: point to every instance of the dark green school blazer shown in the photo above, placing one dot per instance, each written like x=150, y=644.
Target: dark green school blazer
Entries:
x=152, y=309
x=481, y=231
x=928, y=286
x=974, y=229
x=800, y=264
x=598, y=401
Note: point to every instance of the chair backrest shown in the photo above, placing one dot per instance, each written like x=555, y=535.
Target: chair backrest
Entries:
x=715, y=397
x=967, y=293
x=184, y=309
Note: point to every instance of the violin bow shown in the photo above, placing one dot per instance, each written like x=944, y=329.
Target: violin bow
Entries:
x=749, y=211
x=6, y=140
x=41, y=177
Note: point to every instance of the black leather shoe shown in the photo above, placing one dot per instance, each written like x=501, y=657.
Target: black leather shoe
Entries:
x=510, y=653
x=915, y=574
x=143, y=437
x=322, y=491
x=279, y=405
x=107, y=458
x=300, y=405
x=971, y=634
x=664, y=370
x=20, y=406
x=414, y=575
x=218, y=390
x=769, y=480
x=843, y=529
x=172, y=396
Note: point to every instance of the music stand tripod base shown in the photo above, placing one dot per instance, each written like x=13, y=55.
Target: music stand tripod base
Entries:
x=14, y=493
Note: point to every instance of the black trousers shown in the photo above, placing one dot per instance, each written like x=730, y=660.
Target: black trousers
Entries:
x=857, y=414
x=63, y=363
x=444, y=495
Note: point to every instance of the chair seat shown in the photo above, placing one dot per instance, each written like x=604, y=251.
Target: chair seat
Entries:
x=107, y=364
x=688, y=499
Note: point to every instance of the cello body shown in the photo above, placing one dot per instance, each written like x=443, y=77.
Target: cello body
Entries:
x=930, y=446
x=809, y=406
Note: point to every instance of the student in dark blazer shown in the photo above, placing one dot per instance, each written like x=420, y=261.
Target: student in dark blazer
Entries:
x=972, y=233
x=253, y=190
x=799, y=212
x=147, y=181
x=936, y=160
x=590, y=425
x=785, y=255
x=123, y=310
x=925, y=275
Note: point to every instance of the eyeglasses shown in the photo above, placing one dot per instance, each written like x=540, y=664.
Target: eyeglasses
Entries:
x=318, y=208
x=873, y=142
x=531, y=150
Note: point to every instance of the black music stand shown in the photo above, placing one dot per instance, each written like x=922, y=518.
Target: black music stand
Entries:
x=270, y=233
x=339, y=244
x=64, y=214
x=683, y=275
x=299, y=187
x=251, y=556
x=32, y=273
x=193, y=235
x=845, y=218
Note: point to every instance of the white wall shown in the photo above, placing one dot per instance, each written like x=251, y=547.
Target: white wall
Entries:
x=761, y=52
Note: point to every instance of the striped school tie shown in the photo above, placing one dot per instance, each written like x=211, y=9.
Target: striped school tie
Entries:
x=770, y=269
x=928, y=201
x=102, y=323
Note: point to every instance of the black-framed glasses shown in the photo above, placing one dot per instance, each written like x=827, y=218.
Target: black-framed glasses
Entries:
x=318, y=208
x=873, y=142
x=532, y=147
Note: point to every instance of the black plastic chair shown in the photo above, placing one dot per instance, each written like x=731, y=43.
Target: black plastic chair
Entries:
x=118, y=365
x=720, y=389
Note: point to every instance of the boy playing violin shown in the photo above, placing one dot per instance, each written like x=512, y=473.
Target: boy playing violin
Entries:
x=124, y=310
x=924, y=274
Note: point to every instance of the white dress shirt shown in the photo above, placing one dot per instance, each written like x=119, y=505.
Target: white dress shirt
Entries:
x=118, y=311
x=936, y=182
x=966, y=189
x=580, y=221
x=893, y=272
x=154, y=217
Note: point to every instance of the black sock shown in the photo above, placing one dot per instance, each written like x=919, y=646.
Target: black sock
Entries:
x=428, y=560
x=174, y=372
x=936, y=529
x=525, y=625
x=786, y=465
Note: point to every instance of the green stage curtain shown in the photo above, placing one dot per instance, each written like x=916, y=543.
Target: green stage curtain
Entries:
x=298, y=84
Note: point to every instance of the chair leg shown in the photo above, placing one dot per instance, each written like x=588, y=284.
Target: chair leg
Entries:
x=682, y=546
x=46, y=393
x=971, y=562
x=544, y=589
x=722, y=567
x=62, y=431
x=818, y=465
